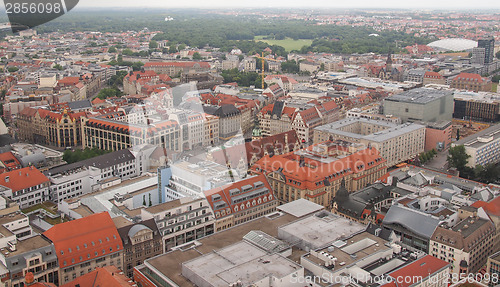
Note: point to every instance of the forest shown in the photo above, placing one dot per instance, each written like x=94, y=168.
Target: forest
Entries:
x=199, y=29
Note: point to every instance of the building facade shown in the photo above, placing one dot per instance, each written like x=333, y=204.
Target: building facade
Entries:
x=316, y=173
x=181, y=221
x=241, y=201
x=482, y=147
x=395, y=143
x=471, y=82
x=83, y=244
x=140, y=242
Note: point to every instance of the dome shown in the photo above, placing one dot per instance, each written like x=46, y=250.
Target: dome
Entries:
x=453, y=44
x=136, y=228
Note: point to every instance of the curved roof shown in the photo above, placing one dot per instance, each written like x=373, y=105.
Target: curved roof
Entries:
x=136, y=228
x=453, y=44
x=417, y=222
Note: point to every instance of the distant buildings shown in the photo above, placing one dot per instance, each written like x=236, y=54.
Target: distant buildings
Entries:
x=488, y=44
x=483, y=147
x=173, y=68
x=395, y=143
x=471, y=82
x=421, y=104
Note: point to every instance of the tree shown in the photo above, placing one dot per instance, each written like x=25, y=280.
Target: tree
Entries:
x=13, y=69
x=112, y=50
x=109, y=93
x=58, y=67
x=153, y=44
x=136, y=66
x=197, y=56
x=458, y=158
x=496, y=79
x=498, y=55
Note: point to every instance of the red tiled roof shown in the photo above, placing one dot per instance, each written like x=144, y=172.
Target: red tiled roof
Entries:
x=418, y=269
x=108, y=276
x=468, y=77
x=84, y=239
x=22, y=178
x=493, y=207
x=313, y=171
x=69, y=81
x=434, y=75
x=225, y=194
x=9, y=162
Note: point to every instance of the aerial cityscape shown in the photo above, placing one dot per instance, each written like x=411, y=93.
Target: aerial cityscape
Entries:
x=253, y=144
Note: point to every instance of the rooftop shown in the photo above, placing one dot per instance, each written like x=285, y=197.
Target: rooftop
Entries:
x=419, y=96
x=169, y=264
x=321, y=229
x=481, y=138
x=392, y=130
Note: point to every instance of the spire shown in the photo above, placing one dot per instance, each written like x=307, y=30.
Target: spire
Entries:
x=342, y=193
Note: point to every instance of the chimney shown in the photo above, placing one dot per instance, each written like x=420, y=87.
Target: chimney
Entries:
x=302, y=161
x=395, y=181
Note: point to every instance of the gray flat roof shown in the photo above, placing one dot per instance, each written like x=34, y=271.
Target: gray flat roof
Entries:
x=321, y=229
x=300, y=207
x=419, y=96
x=393, y=130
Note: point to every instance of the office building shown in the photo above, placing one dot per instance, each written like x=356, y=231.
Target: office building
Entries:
x=483, y=147
x=421, y=104
x=396, y=143
x=488, y=43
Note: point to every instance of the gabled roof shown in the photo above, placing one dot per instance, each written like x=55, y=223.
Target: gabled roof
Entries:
x=469, y=77
x=84, y=239
x=22, y=178
x=108, y=276
x=238, y=196
x=415, y=271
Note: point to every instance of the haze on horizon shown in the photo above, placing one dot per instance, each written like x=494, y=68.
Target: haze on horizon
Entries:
x=423, y=4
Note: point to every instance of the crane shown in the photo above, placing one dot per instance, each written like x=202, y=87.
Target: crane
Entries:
x=263, y=65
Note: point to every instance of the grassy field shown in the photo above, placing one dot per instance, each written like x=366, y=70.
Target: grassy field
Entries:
x=289, y=44
x=494, y=87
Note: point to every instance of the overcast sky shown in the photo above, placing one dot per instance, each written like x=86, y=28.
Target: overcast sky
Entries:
x=427, y=4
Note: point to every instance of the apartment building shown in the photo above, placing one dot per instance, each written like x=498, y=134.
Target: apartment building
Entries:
x=27, y=186
x=181, y=221
x=104, y=133
x=241, y=201
x=84, y=244
x=471, y=82
x=465, y=246
x=79, y=178
x=140, y=241
x=230, y=119
x=36, y=255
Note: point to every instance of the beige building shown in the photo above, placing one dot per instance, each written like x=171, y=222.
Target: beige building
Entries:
x=59, y=128
x=465, y=245
x=396, y=143
x=103, y=133
x=181, y=221
x=140, y=242
x=241, y=201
